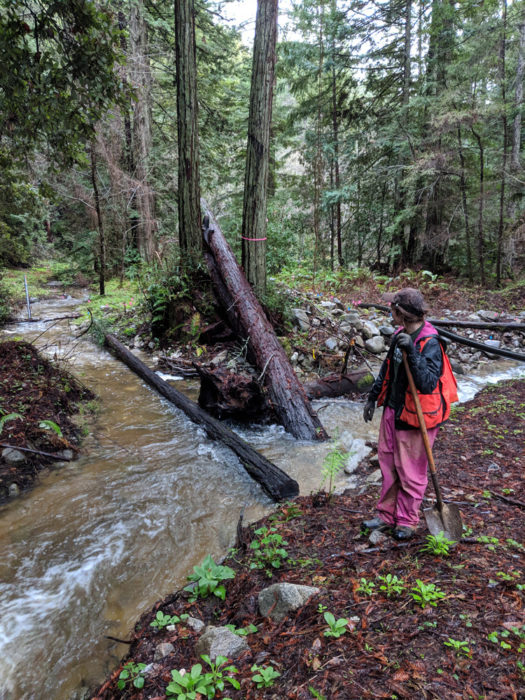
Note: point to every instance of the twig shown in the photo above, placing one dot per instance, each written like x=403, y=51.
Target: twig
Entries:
x=59, y=458
x=86, y=329
x=512, y=501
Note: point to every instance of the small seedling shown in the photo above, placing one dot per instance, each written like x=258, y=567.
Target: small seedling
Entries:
x=185, y=686
x=438, y=545
x=366, y=587
x=268, y=550
x=162, y=620
x=218, y=673
x=316, y=694
x=265, y=676
x=426, y=593
x=460, y=647
x=427, y=625
x=491, y=542
x=321, y=608
x=391, y=584
x=208, y=579
x=333, y=464
x=131, y=673
x=336, y=628
x=242, y=631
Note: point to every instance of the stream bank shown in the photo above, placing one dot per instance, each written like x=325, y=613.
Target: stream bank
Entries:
x=414, y=622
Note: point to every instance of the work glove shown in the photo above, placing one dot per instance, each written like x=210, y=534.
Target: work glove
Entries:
x=368, y=412
x=404, y=342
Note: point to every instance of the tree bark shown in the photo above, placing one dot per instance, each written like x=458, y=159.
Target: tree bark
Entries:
x=140, y=74
x=101, y=238
x=246, y=316
x=257, y=151
x=463, y=188
x=277, y=484
x=518, y=103
x=187, y=130
x=481, y=242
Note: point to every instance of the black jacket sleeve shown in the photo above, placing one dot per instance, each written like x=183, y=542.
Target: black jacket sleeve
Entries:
x=376, y=386
x=426, y=366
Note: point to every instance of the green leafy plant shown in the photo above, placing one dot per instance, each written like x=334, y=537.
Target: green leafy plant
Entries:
x=242, y=631
x=218, y=675
x=460, y=647
x=265, y=676
x=268, y=550
x=366, y=587
x=426, y=593
x=316, y=694
x=162, y=620
x=207, y=578
x=336, y=628
x=50, y=425
x=288, y=511
x=132, y=673
x=438, y=545
x=333, y=464
x=491, y=542
x=6, y=418
x=391, y=584
x=186, y=686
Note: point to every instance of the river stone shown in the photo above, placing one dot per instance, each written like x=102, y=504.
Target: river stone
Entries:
x=345, y=327
x=387, y=330
x=278, y=600
x=377, y=537
x=375, y=344
x=65, y=454
x=163, y=649
x=220, y=641
x=351, y=317
x=327, y=305
x=358, y=451
x=14, y=491
x=487, y=315
x=301, y=320
x=359, y=341
x=331, y=343
x=12, y=456
x=374, y=477
x=457, y=367
x=369, y=330
x=195, y=624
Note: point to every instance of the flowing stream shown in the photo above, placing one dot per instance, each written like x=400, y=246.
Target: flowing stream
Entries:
x=99, y=540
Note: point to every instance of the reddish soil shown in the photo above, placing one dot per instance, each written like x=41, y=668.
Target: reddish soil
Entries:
x=470, y=644
x=37, y=390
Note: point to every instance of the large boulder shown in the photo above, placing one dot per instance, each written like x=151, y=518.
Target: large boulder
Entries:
x=278, y=600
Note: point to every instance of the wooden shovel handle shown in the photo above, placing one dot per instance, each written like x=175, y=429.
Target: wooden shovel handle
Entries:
x=423, y=429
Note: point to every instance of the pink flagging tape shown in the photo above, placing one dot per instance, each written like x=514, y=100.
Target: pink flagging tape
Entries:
x=254, y=239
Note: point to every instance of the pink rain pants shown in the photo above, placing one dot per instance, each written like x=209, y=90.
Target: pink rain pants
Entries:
x=403, y=462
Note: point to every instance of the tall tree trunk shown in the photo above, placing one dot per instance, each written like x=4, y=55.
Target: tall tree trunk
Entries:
x=101, y=239
x=257, y=152
x=502, y=71
x=140, y=73
x=335, y=146
x=481, y=242
x=318, y=165
x=518, y=103
x=190, y=234
x=463, y=187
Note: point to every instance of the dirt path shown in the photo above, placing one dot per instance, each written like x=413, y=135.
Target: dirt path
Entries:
x=470, y=643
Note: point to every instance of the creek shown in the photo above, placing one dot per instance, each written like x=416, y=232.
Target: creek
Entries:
x=99, y=540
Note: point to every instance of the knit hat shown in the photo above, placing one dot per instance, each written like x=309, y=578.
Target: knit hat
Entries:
x=409, y=300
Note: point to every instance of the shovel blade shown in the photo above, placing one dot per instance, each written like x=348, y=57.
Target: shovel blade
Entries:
x=447, y=521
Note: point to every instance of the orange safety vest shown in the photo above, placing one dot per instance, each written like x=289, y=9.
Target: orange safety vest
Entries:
x=435, y=406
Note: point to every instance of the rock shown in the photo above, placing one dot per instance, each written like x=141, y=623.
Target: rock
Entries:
x=12, y=456
x=473, y=317
x=220, y=641
x=294, y=359
x=138, y=342
x=359, y=341
x=345, y=328
x=374, y=477
x=195, y=624
x=339, y=303
x=151, y=345
x=68, y=455
x=376, y=537
x=493, y=343
x=387, y=330
x=315, y=322
x=219, y=359
x=358, y=451
x=369, y=330
x=487, y=315
x=351, y=317
x=375, y=344
x=163, y=649
x=331, y=343
x=337, y=312
x=14, y=491
x=457, y=367
x=278, y=600
x=301, y=320
x=327, y=305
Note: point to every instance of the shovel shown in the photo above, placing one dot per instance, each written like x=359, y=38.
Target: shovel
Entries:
x=442, y=517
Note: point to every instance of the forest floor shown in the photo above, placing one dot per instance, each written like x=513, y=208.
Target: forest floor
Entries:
x=37, y=402
x=469, y=643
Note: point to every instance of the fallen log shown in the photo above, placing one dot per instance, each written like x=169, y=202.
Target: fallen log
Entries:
x=246, y=316
x=49, y=455
x=277, y=484
x=353, y=384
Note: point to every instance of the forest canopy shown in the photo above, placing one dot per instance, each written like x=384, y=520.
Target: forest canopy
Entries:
x=395, y=140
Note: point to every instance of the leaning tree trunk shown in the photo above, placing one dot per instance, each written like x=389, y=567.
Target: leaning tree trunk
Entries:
x=100, y=227
x=246, y=316
x=257, y=151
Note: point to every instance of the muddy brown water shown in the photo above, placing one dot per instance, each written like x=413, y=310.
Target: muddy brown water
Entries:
x=99, y=540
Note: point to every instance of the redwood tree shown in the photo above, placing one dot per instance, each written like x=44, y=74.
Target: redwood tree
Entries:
x=257, y=154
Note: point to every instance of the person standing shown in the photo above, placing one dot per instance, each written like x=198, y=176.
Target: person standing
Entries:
x=401, y=450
